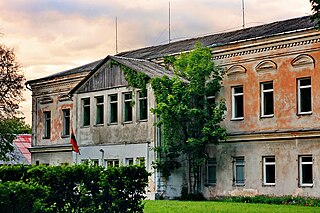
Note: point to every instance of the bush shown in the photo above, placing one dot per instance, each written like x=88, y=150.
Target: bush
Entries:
x=21, y=197
x=85, y=188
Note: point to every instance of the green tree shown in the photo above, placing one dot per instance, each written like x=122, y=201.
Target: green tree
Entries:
x=11, y=83
x=9, y=129
x=188, y=118
x=315, y=4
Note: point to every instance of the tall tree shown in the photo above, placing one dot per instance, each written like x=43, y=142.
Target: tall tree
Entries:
x=11, y=88
x=188, y=113
x=11, y=83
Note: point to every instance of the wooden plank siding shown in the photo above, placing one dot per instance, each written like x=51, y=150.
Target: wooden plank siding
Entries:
x=106, y=77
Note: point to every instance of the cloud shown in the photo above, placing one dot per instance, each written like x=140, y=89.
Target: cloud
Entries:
x=53, y=35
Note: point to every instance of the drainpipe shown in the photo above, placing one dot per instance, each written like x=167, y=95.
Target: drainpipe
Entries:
x=102, y=156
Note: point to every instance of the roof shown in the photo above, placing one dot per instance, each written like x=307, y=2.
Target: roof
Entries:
x=261, y=31
x=153, y=52
x=151, y=69
x=84, y=68
x=21, y=154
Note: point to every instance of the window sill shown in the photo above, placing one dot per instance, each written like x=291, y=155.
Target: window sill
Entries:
x=65, y=136
x=98, y=125
x=306, y=186
x=237, y=119
x=46, y=138
x=268, y=185
x=127, y=122
x=238, y=184
x=112, y=124
x=85, y=126
x=144, y=120
x=267, y=116
x=304, y=113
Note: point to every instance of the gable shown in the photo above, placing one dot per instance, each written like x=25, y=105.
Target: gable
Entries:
x=107, y=76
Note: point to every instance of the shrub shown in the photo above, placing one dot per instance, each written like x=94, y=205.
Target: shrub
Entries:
x=84, y=188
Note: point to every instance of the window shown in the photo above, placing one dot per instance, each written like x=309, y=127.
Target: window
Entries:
x=211, y=100
x=238, y=171
x=143, y=106
x=99, y=110
x=237, y=102
x=269, y=170
x=113, y=108
x=47, y=124
x=304, y=96
x=267, y=99
x=305, y=170
x=211, y=171
x=127, y=114
x=66, y=122
x=112, y=163
x=129, y=161
x=140, y=161
x=91, y=162
x=86, y=111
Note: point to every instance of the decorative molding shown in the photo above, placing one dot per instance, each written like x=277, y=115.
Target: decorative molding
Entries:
x=264, y=49
x=267, y=65
x=64, y=97
x=236, y=69
x=46, y=100
x=302, y=60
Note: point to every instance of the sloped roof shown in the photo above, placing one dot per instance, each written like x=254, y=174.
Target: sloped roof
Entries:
x=84, y=68
x=262, y=31
x=21, y=154
x=218, y=39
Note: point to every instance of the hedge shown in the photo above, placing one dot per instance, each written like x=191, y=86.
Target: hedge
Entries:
x=77, y=188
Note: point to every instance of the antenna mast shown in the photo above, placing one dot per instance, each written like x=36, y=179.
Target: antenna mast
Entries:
x=243, y=22
x=169, y=24
x=116, y=35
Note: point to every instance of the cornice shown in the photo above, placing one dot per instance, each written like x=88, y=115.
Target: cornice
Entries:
x=258, y=49
x=55, y=148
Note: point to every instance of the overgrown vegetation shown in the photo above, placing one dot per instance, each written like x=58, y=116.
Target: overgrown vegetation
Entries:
x=77, y=188
x=188, y=114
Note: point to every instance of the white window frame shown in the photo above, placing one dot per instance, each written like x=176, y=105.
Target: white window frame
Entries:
x=64, y=122
x=265, y=164
x=301, y=163
x=263, y=104
x=99, y=105
x=299, y=95
x=236, y=163
x=115, y=162
x=129, y=161
x=234, y=95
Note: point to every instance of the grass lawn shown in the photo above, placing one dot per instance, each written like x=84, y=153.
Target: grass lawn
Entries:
x=164, y=206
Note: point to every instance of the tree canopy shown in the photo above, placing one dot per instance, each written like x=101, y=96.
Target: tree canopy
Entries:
x=188, y=114
x=11, y=83
x=315, y=4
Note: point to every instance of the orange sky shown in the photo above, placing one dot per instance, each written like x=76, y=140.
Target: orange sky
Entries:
x=50, y=36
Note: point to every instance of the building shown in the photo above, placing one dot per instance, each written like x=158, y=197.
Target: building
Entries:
x=270, y=88
x=20, y=154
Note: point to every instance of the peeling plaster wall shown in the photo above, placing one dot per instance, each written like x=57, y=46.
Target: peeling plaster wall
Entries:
x=286, y=154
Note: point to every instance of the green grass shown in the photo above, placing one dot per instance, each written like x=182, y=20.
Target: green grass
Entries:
x=166, y=206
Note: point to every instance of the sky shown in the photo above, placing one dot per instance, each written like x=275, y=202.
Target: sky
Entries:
x=50, y=36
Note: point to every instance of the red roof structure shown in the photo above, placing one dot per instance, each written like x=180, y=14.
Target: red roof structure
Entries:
x=23, y=142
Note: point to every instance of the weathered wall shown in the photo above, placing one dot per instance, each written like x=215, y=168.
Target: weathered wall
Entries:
x=286, y=154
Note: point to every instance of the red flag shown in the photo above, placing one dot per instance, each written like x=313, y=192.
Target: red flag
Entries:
x=74, y=143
